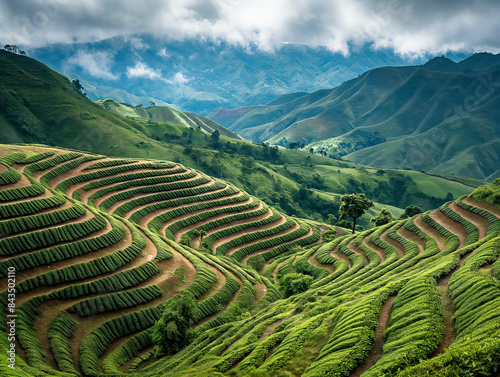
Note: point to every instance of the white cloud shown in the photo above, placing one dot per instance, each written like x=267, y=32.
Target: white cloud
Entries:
x=163, y=52
x=142, y=70
x=180, y=79
x=97, y=64
x=408, y=26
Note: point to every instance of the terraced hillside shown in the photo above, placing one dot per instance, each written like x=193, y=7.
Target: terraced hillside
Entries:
x=97, y=247
x=95, y=244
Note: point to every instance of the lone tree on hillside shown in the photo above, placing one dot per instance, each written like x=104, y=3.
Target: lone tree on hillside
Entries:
x=354, y=206
x=78, y=86
x=383, y=217
x=199, y=233
x=173, y=330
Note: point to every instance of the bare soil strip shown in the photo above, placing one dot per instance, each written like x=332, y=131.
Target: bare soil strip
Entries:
x=480, y=222
x=450, y=225
x=192, y=213
x=390, y=241
x=377, y=349
x=129, y=213
x=381, y=252
x=96, y=233
x=231, y=237
x=65, y=205
x=245, y=259
x=195, y=243
x=483, y=205
x=410, y=236
x=98, y=201
x=275, y=235
x=269, y=330
x=337, y=254
x=39, y=270
x=86, y=325
x=313, y=261
x=432, y=232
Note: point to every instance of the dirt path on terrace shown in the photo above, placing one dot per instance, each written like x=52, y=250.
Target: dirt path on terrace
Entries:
x=279, y=234
x=65, y=205
x=46, y=194
x=98, y=201
x=86, y=325
x=430, y=231
x=166, y=224
x=45, y=289
x=85, y=194
x=112, y=208
x=23, y=182
x=395, y=244
x=276, y=270
x=377, y=348
x=130, y=212
x=480, y=222
x=313, y=261
x=88, y=215
x=269, y=329
x=77, y=170
x=245, y=259
x=190, y=227
x=231, y=237
x=337, y=254
x=442, y=287
x=380, y=252
x=125, y=367
x=483, y=205
x=143, y=221
x=410, y=236
x=84, y=258
x=195, y=243
x=450, y=225
x=357, y=250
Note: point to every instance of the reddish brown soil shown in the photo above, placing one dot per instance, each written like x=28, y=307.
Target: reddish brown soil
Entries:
x=231, y=237
x=426, y=228
x=377, y=349
x=450, y=225
x=388, y=240
x=410, y=236
x=480, y=222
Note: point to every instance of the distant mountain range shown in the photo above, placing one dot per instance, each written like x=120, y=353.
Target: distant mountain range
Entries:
x=198, y=76
x=439, y=117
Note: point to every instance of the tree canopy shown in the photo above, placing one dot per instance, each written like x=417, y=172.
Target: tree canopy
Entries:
x=294, y=283
x=173, y=331
x=411, y=211
x=383, y=217
x=354, y=206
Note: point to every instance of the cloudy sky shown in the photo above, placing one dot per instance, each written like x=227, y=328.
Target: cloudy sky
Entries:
x=408, y=26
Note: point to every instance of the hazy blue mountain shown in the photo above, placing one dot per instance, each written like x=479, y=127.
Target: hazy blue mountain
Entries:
x=199, y=76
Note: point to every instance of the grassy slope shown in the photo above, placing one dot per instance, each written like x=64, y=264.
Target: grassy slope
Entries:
x=42, y=107
x=165, y=114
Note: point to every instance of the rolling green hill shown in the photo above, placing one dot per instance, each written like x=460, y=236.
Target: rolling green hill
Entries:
x=103, y=251
x=40, y=106
x=440, y=117
x=165, y=114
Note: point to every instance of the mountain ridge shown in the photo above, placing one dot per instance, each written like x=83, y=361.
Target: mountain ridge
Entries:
x=392, y=105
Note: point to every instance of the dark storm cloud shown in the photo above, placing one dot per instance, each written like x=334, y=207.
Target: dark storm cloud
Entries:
x=410, y=27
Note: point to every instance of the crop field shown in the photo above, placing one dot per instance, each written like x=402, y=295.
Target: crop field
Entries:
x=98, y=247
